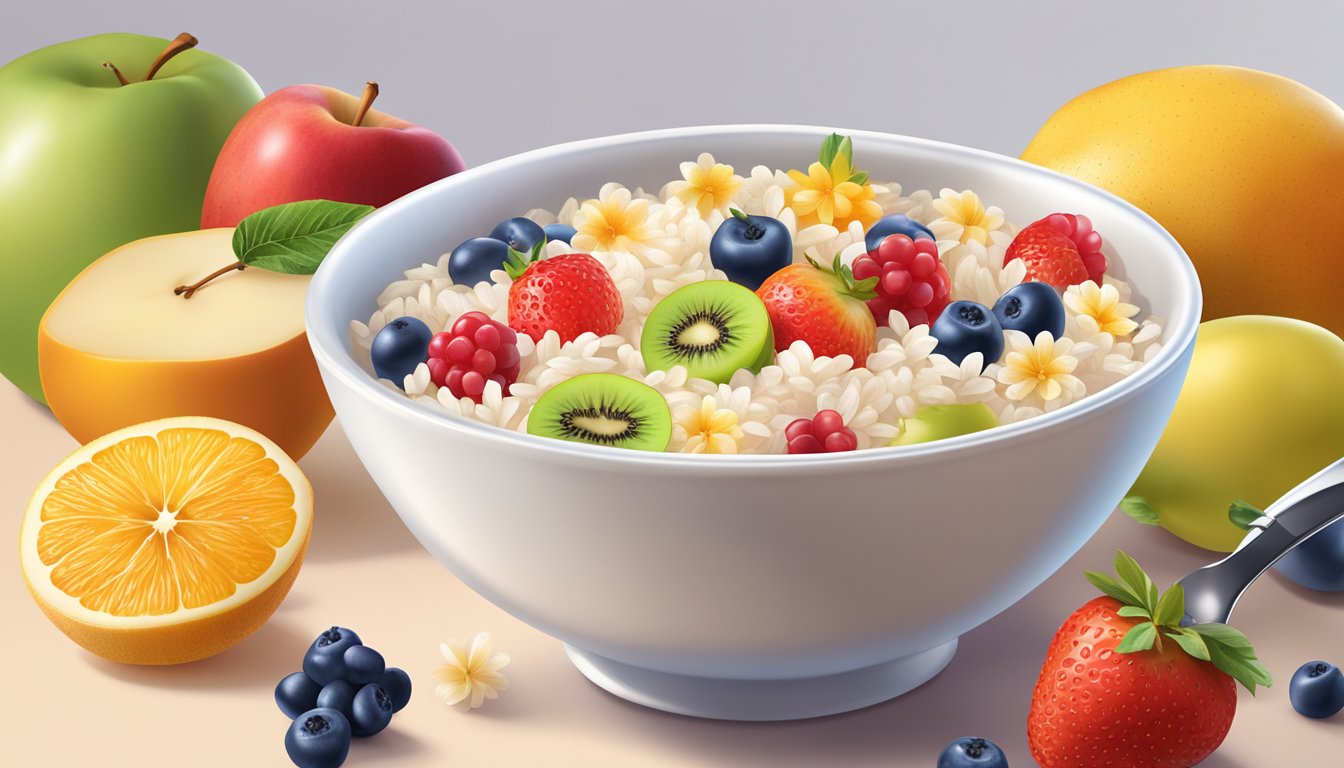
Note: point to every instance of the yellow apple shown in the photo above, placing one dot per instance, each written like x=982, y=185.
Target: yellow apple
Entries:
x=1244, y=168
x=1262, y=410
x=119, y=347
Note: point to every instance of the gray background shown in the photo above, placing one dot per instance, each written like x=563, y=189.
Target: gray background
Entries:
x=497, y=78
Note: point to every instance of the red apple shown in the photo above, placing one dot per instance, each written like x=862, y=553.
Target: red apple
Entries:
x=307, y=142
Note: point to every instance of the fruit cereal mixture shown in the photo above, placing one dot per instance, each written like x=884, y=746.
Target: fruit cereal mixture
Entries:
x=798, y=311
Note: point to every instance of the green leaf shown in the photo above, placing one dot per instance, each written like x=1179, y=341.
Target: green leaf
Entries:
x=1242, y=514
x=830, y=148
x=293, y=238
x=1138, y=581
x=1112, y=588
x=1138, y=508
x=739, y=214
x=1139, y=638
x=860, y=178
x=1230, y=651
x=1133, y=612
x=1190, y=642
x=847, y=150
x=1171, y=608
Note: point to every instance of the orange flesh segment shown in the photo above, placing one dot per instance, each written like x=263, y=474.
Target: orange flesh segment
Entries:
x=153, y=525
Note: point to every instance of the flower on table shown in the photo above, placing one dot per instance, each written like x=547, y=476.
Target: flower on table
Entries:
x=472, y=673
x=964, y=218
x=1040, y=370
x=832, y=191
x=1098, y=309
x=613, y=222
x=706, y=428
x=707, y=186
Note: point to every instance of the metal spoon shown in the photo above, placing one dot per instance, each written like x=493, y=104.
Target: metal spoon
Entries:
x=1211, y=592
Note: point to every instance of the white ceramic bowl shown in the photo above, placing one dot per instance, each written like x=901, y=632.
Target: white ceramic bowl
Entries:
x=749, y=587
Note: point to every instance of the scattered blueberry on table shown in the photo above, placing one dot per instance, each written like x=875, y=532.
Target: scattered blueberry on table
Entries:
x=1317, y=690
x=972, y=752
x=345, y=690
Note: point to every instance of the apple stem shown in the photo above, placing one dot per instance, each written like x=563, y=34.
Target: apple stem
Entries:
x=179, y=44
x=185, y=291
x=120, y=77
x=370, y=93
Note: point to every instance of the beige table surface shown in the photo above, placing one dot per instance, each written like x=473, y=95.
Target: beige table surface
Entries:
x=60, y=706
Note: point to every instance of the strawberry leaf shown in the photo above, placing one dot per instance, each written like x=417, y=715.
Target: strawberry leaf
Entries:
x=1139, y=638
x=1112, y=588
x=1242, y=514
x=1231, y=652
x=1138, y=508
x=1138, y=581
x=1190, y=642
x=1134, y=612
x=1171, y=608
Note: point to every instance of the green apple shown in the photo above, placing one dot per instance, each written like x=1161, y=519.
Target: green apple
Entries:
x=88, y=163
x=1262, y=409
x=939, y=422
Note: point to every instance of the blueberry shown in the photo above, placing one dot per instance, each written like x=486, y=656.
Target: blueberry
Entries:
x=318, y=738
x=296, y=693
x=562, y=232
x=1031, y=308
x=338, y=695
x=1317, y=689
x=363, y=665
x=895, y=224
x=399, y=347
x=373, y=711
x=398, y=685
x=325, y=659
x=1318, y=562
x=965, y=327
x=520, y=232
x=972, y=752
x=751, y=248
x=473, y=261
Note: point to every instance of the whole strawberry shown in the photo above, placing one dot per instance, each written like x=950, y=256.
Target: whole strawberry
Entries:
x=569, y=294
x=824, y=307
x=1051, y=257
x=1124, y=685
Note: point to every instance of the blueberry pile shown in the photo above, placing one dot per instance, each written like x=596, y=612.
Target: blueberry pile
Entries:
x=344, y=690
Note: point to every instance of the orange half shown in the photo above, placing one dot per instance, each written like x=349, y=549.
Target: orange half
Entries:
x=167, y=541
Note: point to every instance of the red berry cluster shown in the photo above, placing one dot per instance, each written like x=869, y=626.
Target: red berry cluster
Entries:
x=474, y=351
x=911, y=278
x=824, y=433
x=1078, y=228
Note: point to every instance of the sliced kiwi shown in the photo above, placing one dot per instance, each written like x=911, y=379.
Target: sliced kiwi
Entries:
x=603, y=409
x=712, y=327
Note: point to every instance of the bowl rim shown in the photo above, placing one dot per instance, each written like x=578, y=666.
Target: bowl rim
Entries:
x=1180, y=328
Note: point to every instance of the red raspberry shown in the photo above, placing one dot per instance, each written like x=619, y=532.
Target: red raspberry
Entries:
x=475, y=350
x=1050, y=256
x=824, y=433
x=1078, y=228
x=911, y=278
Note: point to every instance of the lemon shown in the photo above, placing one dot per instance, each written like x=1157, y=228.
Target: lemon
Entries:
x=167, y=541
x=1244, y=168
x=1261, y=411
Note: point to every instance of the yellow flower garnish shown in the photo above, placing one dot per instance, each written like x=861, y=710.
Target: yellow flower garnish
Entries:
x=707, y=429
x=471, y=675
x=832, y=192
x=708, y=185
x=612, y=222
x=964, y=217
x=1100, y=306
x=1043, y=368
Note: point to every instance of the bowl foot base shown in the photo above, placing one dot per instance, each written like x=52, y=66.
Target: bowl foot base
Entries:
x=796, y=699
